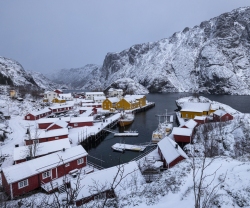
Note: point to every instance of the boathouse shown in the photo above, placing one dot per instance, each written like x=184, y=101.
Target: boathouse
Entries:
x=81, y=121
x=122, y=175
x=170, y=152
x=182, y=134
x=34, y=173
x=35, y=115
x=59, y=124
x=22, y=154
x=190, y=110
x=41, y=136
x=110, y=103
x=221, y=116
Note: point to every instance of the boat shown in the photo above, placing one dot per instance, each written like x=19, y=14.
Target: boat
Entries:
x=118, y=149
x=129, y=133
x=126, y=119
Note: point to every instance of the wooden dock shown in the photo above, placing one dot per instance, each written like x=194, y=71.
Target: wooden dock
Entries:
x=122, y=147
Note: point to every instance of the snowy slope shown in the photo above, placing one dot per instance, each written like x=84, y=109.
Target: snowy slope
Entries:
x=212, y=57
x=14, y=71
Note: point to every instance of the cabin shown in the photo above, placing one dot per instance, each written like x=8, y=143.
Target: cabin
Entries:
x=66, y=96
x=190, y=110
x=140, y=98
x=34, y=173
x=35, y=115
x=76, y=122
x=87, y=111
x=170, y=152
x=128, y=103
x=59, y=124
x=22, y=154
x=109, y=103
x=48, y=96
x=222, y=116
x=44, y=123
x=40, y=136
x=190, y=124
x=104, y=178
x=61, y=108
x=182, y=134
x=200, y=119
x=91, y=95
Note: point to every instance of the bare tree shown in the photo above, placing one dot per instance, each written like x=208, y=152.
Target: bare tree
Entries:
x=33, y=146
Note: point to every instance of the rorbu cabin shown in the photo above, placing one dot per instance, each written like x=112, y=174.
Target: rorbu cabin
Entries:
x=109, y=103
x=88, y=111
x=190, y=110
x=22, y=153
x=27, y=176
x=170, y=152
x=200, y=119
x=46, y=122
x=221, y=116
x=61, y=108
x=35, y=115
x=81, y=121
x=59, y=124
x=105, y=178
x=182, y=134
x=190, y=124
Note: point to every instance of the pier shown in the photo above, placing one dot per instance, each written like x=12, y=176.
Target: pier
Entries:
x=144, y=108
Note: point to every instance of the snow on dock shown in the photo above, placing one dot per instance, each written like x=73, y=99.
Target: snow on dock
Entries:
x=127, y=134
x=122, y=147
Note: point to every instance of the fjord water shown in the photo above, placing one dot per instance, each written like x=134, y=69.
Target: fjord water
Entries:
x=146, y=122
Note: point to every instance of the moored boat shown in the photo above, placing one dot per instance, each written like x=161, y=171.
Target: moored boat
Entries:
x=126, y=119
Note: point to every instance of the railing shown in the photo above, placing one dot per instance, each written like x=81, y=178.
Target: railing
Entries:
x=144, y=154
x=95, y=166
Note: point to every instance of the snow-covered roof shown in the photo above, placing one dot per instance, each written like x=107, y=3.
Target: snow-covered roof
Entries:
x=106, y=177
x=201, y=118
x=60, y=123
x=214, y=106
x=99, y=97
x=60, y=106
x=111, y=89
x=68, y=95
x=36, y=113
x=195, y=107
x=182, y=131
x=190, y=124
x=52, y=120
x=130, y=99
x=119, y=90
x=38, y=133
x=113, y=99
x=42, y=148
x=82, y=119
x=134, y=96
x=33, y=167
x=94, y=93
x=47, y=92
x=86, y=108
x=169, y=150
x=220, y=112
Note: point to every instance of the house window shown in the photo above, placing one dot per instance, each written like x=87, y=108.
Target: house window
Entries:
x=67, y=164
x=79, y=161
x=28, y=117
x=23, y=183
x=46, y=174
x=56, y=137
x=186, y=115
x=75, y=124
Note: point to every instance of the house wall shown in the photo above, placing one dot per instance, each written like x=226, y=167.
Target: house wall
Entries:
x=56, y=100
x=44, y=125
x=41, y=140
x=81, y=124
x=226, y=117
x=31, y=117
x=177, y=160
x=5, y=185
x=189, y=115
x=123, y=104
x=179, y=138
x=54, y=127
x=200, y=121
x=106, y=104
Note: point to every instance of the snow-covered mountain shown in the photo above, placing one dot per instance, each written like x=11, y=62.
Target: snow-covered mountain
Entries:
x=12, y=73
x=212, y=57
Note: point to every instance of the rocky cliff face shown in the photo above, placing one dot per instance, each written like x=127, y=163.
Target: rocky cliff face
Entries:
x=212, y=57
x=12, y=73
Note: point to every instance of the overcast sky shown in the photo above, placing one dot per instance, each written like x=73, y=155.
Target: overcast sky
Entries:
x=53, y=34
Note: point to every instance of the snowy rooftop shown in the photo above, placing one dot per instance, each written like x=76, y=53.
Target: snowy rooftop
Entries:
x=201, y=118
x=105, y=178
x=99, y=97
x=35, y=134
x=134, y=96
x=94, y=93
x=36, y=113
x=66, y=95
x=190, y=124
x=220, y=112
x=61, y=106
x=113, y=99
x=169, y=150
x=41, y=164
x=195, y=107
x=42, y=148
x=86, y=108
x=52, y=120
x=60, y=123
x=182, y=131
x=81, y=119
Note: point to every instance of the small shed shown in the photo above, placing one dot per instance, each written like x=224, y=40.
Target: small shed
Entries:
x=221, y=116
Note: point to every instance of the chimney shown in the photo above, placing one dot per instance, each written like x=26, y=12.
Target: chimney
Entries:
x=63, y=149
x=16, y=145
x=176, y=146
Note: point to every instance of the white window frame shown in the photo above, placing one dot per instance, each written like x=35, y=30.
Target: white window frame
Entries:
x=75, y=124
x=56, y=137
x=28, y=117
x=46, y=174
x=80, y=161
x=22, y=184
x=67, y=164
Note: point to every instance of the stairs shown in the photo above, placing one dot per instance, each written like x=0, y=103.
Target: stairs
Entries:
x=62, y=188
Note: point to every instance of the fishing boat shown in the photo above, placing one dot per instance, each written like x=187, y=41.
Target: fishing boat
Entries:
x=129, y=133
x=118, y=149
x=126, y=119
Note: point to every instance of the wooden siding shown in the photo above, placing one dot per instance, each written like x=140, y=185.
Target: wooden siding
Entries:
x=181, y=138
x=81, y=124
x=226, y=117
x=41, y=140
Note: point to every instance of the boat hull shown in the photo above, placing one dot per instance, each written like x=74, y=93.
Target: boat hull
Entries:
x=125, y=122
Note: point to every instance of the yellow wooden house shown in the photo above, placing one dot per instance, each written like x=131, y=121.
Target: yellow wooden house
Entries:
x=127, y=104
x=58, y=100
x=190, y=110
x=109, y=103
x=140, y=98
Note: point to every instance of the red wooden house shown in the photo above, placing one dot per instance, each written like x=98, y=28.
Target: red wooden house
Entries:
x=22, y=153
x=81, y=121
x=59, y=124
x=91, y=110
x=170, y=152
x=201, y=119
x=105, y=178
x=61, y=108
x=45, y=123
x=221, y=115
x=35, y=115
x=58, y=91
x=190, y=124
x=182, y=134
x=28, y=176
x=41, y=136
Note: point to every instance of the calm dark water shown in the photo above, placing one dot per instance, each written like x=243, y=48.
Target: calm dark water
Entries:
x=146, y=122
